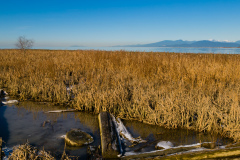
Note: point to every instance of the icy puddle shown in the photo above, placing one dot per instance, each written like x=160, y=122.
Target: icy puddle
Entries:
x=31, y=121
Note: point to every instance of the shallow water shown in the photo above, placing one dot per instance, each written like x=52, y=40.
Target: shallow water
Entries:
x=177, y=137
x=24, y=122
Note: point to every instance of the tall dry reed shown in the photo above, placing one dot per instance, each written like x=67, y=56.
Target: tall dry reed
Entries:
x=194, y=91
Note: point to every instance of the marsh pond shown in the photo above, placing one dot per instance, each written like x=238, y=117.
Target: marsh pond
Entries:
x=33, y=123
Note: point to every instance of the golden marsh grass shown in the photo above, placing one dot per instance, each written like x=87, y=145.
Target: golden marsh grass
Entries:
x=194, y=91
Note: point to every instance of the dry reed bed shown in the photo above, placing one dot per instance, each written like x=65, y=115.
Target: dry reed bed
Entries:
x=26, y=151
x=194, y=91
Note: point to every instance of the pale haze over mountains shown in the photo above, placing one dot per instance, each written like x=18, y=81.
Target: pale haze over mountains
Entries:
x=181, y=43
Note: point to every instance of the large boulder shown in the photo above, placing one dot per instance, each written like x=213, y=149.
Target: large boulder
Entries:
x=76, y=137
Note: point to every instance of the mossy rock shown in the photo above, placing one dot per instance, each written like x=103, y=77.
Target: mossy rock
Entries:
x=77, y=138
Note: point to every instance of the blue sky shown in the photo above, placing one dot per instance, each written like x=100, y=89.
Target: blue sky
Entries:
x=52, y=23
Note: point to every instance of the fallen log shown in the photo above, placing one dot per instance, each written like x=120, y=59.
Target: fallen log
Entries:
x=206, y=154
x=110, y=140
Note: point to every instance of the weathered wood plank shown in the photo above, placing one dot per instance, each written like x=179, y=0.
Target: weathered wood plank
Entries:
x=110, y=142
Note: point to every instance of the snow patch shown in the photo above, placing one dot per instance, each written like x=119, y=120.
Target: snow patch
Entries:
x=165, y=144
x=10, y=102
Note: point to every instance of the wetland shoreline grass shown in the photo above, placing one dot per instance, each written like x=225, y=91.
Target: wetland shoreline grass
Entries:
x=193, y=91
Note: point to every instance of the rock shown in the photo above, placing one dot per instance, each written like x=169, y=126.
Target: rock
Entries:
x=76, y=137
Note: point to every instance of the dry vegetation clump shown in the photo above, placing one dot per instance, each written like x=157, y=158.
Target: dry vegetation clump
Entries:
x=26, y=151
x=194, y=91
